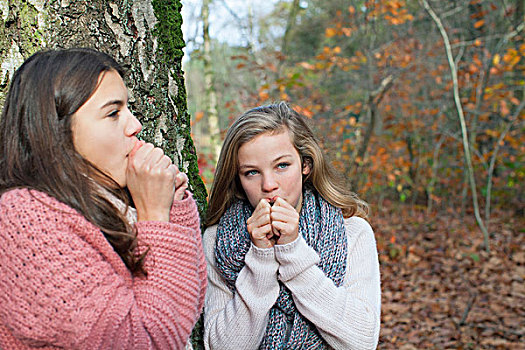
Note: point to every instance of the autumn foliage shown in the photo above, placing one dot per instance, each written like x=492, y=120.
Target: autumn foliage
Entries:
x=382, y=72
x=378, y=89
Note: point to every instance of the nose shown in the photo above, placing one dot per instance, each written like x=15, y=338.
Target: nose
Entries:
x=269, y=183
x=133, y=126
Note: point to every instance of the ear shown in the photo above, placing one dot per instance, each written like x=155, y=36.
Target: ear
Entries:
x=307, y=166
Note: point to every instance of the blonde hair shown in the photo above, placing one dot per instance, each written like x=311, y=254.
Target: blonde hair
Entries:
x=277, y=118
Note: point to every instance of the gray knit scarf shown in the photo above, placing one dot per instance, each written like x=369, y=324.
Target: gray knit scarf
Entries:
x=321, y=224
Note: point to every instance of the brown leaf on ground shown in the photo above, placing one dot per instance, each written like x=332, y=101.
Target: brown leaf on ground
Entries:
x=441, y=290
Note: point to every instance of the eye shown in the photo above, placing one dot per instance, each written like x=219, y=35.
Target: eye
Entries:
x=283, y=165
x=114, y=114
x=250, y=173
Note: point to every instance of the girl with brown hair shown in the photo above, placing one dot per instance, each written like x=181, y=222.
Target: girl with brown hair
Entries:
x=100, y=239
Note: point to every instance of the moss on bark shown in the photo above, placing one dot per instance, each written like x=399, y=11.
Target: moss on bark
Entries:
x=168, y=31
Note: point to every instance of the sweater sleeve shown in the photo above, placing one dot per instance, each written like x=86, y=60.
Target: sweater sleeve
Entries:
x=347, y=317
x=238, y=320
x=64, y=286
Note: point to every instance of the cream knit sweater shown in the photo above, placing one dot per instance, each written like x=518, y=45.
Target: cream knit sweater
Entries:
x=347, y=317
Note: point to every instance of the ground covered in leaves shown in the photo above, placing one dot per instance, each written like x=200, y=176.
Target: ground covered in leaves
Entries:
x=441, y=290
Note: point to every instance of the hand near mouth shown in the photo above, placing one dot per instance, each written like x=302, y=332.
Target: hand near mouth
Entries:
x=273, y=224
x=259, y=226
x=151, y=180
x=284, y=221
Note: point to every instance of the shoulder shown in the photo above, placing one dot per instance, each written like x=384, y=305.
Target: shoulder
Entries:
x=31, y=213
x=357, y=225
x=358, y=228
x=49, y=230
x=357, y=222
x=208, y=241
x=24, y=199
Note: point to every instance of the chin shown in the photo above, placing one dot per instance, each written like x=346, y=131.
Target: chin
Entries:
x=120, y=181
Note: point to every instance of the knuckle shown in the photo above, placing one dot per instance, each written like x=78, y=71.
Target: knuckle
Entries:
x=158, y=151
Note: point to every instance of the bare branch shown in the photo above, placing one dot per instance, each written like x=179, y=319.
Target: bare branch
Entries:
x=461, y=116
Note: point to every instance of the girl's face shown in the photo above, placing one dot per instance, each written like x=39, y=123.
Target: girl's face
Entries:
x=104, y=130
x=270, y=167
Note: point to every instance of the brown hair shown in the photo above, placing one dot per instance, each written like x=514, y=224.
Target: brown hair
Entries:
x=36, y=142
x=273, y=119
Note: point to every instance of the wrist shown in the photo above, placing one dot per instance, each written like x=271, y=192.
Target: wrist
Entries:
x=153, y=216
x=287, y=239
x=262, y=243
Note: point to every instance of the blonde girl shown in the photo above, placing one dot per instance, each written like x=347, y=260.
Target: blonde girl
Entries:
x=292, y=262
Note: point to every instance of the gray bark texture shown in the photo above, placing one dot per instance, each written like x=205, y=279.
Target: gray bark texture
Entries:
x=144, y=36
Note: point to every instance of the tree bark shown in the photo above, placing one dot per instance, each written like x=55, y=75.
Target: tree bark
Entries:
x=214, y=130
x=292, y=17
x=144, y=36
x=373, y=101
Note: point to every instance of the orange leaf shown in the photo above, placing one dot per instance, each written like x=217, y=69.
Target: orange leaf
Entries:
x=264, y=95
x=346, y=31
x=198, y=116
x=304, y=111
x=330, y=32
x=307, y=65
x=479, y=23
x=504, y=108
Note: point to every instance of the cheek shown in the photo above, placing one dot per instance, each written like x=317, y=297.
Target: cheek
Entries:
x=250, y=189
x=295, y=184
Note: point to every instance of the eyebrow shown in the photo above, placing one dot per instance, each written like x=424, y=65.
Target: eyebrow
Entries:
x=112, y=102
x=276, y=160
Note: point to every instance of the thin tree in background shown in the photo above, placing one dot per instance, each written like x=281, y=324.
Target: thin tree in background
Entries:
x=210, y=96
x=461, y=117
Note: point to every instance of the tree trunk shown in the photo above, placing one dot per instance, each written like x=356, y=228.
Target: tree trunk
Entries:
x=464, y=131
x=144, y=36
x=214, y=130
x=292, y=17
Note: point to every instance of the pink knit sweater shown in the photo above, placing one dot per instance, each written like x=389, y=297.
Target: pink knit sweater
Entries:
x=63, y=286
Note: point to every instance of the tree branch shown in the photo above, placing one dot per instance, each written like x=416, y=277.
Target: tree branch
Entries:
x=459, y=108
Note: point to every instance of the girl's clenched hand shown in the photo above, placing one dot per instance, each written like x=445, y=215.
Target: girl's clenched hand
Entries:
x=152, y=181
x=285, y=221
x=259, y=226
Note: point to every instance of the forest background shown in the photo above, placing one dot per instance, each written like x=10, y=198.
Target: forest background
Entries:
x=419, y=104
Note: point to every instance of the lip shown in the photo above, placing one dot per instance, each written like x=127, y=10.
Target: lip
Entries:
x=271, y=200
x=133, y=145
